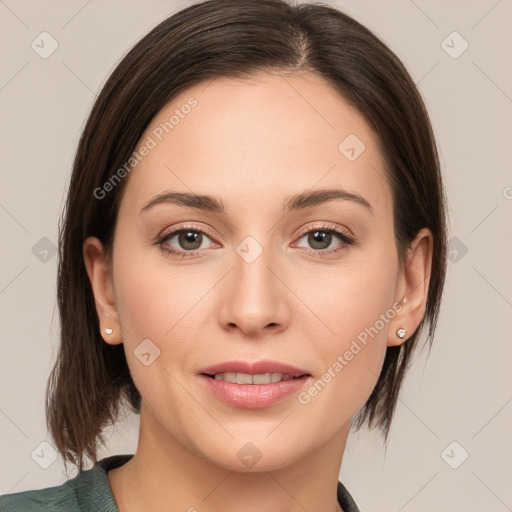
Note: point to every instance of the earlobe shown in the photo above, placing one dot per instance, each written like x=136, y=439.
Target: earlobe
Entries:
x=413, y=289
x=97, y=265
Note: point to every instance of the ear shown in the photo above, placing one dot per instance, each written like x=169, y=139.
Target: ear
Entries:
x=98, y=270
x=412, y=288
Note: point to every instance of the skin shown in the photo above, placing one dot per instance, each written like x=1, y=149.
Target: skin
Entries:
x=287, y=305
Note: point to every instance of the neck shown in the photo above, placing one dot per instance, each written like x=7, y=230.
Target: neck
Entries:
x=167, y=474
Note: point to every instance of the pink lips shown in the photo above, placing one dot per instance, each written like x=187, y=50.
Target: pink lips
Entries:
x=253, y=396
x=264, y=366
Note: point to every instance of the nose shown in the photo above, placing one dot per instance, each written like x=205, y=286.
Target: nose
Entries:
x=255, y=297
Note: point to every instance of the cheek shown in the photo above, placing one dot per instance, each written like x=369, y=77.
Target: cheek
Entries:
x=344, y=301
x=163, y=303
x=155, y=303
x=151, y=295
x=354, y=306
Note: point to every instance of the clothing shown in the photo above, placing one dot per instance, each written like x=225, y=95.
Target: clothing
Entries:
x=90, y=491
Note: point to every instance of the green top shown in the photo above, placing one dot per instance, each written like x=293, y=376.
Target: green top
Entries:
x=89, y=491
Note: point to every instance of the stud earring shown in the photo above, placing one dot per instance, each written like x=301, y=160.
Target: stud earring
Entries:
x=401, y=333
x=108, y=330
x=404, y=299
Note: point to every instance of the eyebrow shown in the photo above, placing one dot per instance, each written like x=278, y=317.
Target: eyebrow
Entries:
x=299, y=201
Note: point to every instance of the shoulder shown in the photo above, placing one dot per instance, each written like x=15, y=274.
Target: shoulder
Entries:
x=51, y=499
x=88, y=490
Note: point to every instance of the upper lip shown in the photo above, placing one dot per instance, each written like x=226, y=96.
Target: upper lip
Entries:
x=255, y=368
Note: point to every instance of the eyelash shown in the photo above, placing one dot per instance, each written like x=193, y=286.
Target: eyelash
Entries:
x=345, y=237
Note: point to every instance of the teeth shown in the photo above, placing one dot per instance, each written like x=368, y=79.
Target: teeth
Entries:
x=245, y=378
x=263, y=378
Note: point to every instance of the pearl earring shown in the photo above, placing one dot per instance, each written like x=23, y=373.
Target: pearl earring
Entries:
x=401, y=333
x=108, y=330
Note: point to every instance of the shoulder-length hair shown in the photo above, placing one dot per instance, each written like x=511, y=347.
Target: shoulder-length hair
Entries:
x=230, y=38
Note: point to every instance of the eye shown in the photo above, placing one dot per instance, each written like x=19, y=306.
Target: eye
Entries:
x=184, y=241
x=321, y=239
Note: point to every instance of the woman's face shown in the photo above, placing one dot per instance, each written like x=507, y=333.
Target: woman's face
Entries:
x=265, y=279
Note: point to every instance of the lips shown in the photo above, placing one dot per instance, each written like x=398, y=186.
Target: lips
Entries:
x=255, y=368
x=253, y=385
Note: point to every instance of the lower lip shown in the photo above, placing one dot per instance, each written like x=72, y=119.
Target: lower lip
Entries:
x=253, y=396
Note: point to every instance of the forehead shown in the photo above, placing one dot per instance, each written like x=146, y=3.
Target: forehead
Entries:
x=258, y=139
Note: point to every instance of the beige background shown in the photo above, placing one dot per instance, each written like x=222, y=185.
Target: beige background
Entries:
x=461, y=393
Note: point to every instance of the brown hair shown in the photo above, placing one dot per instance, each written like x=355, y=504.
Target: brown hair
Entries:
x=208, y=40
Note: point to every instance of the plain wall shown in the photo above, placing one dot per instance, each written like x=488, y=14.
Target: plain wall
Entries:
x=460, y=393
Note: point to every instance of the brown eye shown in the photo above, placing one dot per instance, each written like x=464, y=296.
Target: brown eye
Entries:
x=186, y=241
x=190, y=240
x=319, y=240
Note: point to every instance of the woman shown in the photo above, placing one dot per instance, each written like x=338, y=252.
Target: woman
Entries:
x=253, y=241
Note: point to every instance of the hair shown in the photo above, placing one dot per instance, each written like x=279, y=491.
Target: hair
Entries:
x=90, y=380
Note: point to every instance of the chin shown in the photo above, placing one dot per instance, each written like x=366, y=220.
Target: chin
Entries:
x=247, y=456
